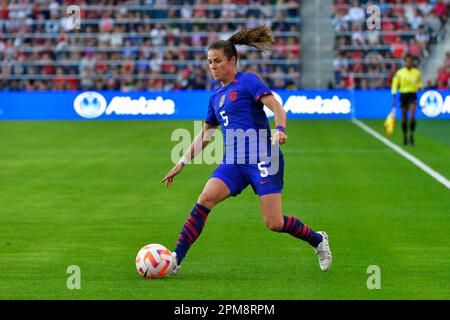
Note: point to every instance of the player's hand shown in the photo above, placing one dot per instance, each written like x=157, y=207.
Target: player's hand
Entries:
x=168, y=179
x=279, y=137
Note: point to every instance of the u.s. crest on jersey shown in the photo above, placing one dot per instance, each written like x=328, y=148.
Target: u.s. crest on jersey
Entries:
x=222, y=101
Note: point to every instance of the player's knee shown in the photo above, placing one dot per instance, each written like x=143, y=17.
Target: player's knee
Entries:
x=206, y=200
x=274, y=225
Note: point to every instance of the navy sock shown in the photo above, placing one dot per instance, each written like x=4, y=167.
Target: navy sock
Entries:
x=405, y=127
x=298, y=229
x=191, y=230
x=412, y=126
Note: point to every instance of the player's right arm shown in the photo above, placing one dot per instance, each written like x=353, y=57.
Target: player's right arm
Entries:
x=200, y=142
x=395, y=83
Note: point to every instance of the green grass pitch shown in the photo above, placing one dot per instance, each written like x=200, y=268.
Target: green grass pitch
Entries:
x=88, y=193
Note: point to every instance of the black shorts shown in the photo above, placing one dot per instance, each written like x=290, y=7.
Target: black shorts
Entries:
x=407, y=98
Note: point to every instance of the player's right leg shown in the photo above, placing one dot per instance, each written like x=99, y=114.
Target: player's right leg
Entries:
x=214, y=192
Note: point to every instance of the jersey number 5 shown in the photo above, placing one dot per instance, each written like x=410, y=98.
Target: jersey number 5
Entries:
x=224, y=117
x=263, y=171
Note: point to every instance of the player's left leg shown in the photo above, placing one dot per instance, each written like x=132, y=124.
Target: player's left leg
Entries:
x=412, y=114
x=275, y=220
x=405, y=124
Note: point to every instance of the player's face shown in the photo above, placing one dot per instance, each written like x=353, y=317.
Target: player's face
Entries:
x=409, y=63
x=221, y=68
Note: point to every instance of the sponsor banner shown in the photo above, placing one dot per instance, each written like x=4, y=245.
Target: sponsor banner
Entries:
x=376, y=104
x=299, y=104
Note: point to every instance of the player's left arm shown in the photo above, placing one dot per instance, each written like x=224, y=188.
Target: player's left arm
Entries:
x=280, y=118
x=419, y=80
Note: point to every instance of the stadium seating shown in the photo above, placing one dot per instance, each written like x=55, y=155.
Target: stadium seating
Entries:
x=368, y=59
x=140, y=44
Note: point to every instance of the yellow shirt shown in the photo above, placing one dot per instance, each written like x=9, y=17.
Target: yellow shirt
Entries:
x=409, y=81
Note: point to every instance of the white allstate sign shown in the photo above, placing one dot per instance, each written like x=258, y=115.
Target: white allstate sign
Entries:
x=91, y=105
x=141, y=106
x=433, y=104
x=318, y=105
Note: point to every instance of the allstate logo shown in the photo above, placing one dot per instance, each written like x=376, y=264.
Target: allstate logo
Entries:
x=90, y=104
x=431, y=103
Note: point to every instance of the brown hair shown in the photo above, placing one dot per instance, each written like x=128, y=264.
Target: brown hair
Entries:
x=260, y=37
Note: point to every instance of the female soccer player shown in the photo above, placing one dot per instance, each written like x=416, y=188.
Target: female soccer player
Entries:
x=238, y=106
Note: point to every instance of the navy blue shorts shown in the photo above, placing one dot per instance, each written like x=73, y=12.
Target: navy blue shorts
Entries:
x=407, y=98
x=264, y=179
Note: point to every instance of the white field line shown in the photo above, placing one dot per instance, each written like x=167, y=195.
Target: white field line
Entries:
x=403, y=153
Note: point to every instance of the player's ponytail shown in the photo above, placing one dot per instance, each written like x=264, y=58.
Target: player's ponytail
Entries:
x=260, y=37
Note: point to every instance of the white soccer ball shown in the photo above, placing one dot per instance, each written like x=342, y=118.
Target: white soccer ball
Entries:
x=153, y=261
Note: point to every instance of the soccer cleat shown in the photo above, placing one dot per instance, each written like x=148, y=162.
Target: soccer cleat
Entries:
x=174, y=267
x=323, y=252
x=405, y=140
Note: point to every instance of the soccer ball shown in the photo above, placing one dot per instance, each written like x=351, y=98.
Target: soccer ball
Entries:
x=153, y=261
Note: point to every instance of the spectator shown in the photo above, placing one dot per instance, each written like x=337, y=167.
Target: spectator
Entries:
x=441, y=11
x=425, y=7
x=416, y=20
x=443, y=77
x=356, y=14
x=434, y=24
x=447, y=60
x=340, y=22
x=357, y=34
x=422, y=38
x=414, y=48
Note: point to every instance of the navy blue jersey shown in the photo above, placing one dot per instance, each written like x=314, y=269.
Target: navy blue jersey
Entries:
x=245, y=127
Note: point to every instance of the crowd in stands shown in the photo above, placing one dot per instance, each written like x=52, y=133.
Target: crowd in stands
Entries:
x=367, y=55
x=140, y=44
x=442, y=81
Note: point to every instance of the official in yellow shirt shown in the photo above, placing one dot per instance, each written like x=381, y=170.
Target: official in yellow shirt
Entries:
x=409, y=80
